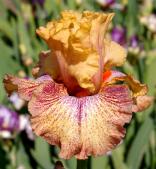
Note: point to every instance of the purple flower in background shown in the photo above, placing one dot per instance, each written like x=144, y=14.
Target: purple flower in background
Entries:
x=119, y=35
x=40, y=2
x=109, y=2
x=106, y=3
x=16, y=101
x=135, y=46
x=134, y=41
x=9, y=120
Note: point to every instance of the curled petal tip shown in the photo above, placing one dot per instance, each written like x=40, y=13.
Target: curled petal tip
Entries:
x=137, y=88
x=8, y=85
x=142, y=103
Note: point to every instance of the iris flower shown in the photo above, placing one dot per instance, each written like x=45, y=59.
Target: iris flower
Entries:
x=78, y=102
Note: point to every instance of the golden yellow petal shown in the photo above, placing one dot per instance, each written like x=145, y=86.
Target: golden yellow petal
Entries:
x=115, y=54
x=84, y=71
x=69, y=14
x=79, y=39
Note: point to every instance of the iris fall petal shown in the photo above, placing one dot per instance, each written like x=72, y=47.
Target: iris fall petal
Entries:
x=23, y=87
x=76, y=125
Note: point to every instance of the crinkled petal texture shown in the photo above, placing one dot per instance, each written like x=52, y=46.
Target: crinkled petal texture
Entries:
x=91, y=125
x=79, y=49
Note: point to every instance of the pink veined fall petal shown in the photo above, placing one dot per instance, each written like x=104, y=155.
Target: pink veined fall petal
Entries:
x=76, y=125
x=90, y=125
x=24, y=87
x=102, y=122
x=54, y=117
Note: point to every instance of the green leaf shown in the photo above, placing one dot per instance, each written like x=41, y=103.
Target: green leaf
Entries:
x=118, y=158
x=22, y=158
x=138, y=146
x=150, y=80
x=6, y=28
x=7, y=65
x=99, y=162
x=150, y=72
x=130, y=131
x=71, y=163
x=71, y=4
x=15, y=39
x=53, y=6
x=152, y=147
x=3, y=156
x=42, y=153
x=132, y=17
x=24, y=37
x=3, y=11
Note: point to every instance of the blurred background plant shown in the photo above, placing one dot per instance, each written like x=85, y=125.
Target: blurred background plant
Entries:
x=134, y=27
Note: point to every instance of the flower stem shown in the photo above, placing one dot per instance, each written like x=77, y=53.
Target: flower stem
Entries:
x=82, y=164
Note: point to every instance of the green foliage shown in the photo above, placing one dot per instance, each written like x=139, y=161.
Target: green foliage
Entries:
x=19, y=43
x=139, y=144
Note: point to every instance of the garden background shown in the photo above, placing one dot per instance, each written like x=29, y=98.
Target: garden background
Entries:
x=134, y=27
